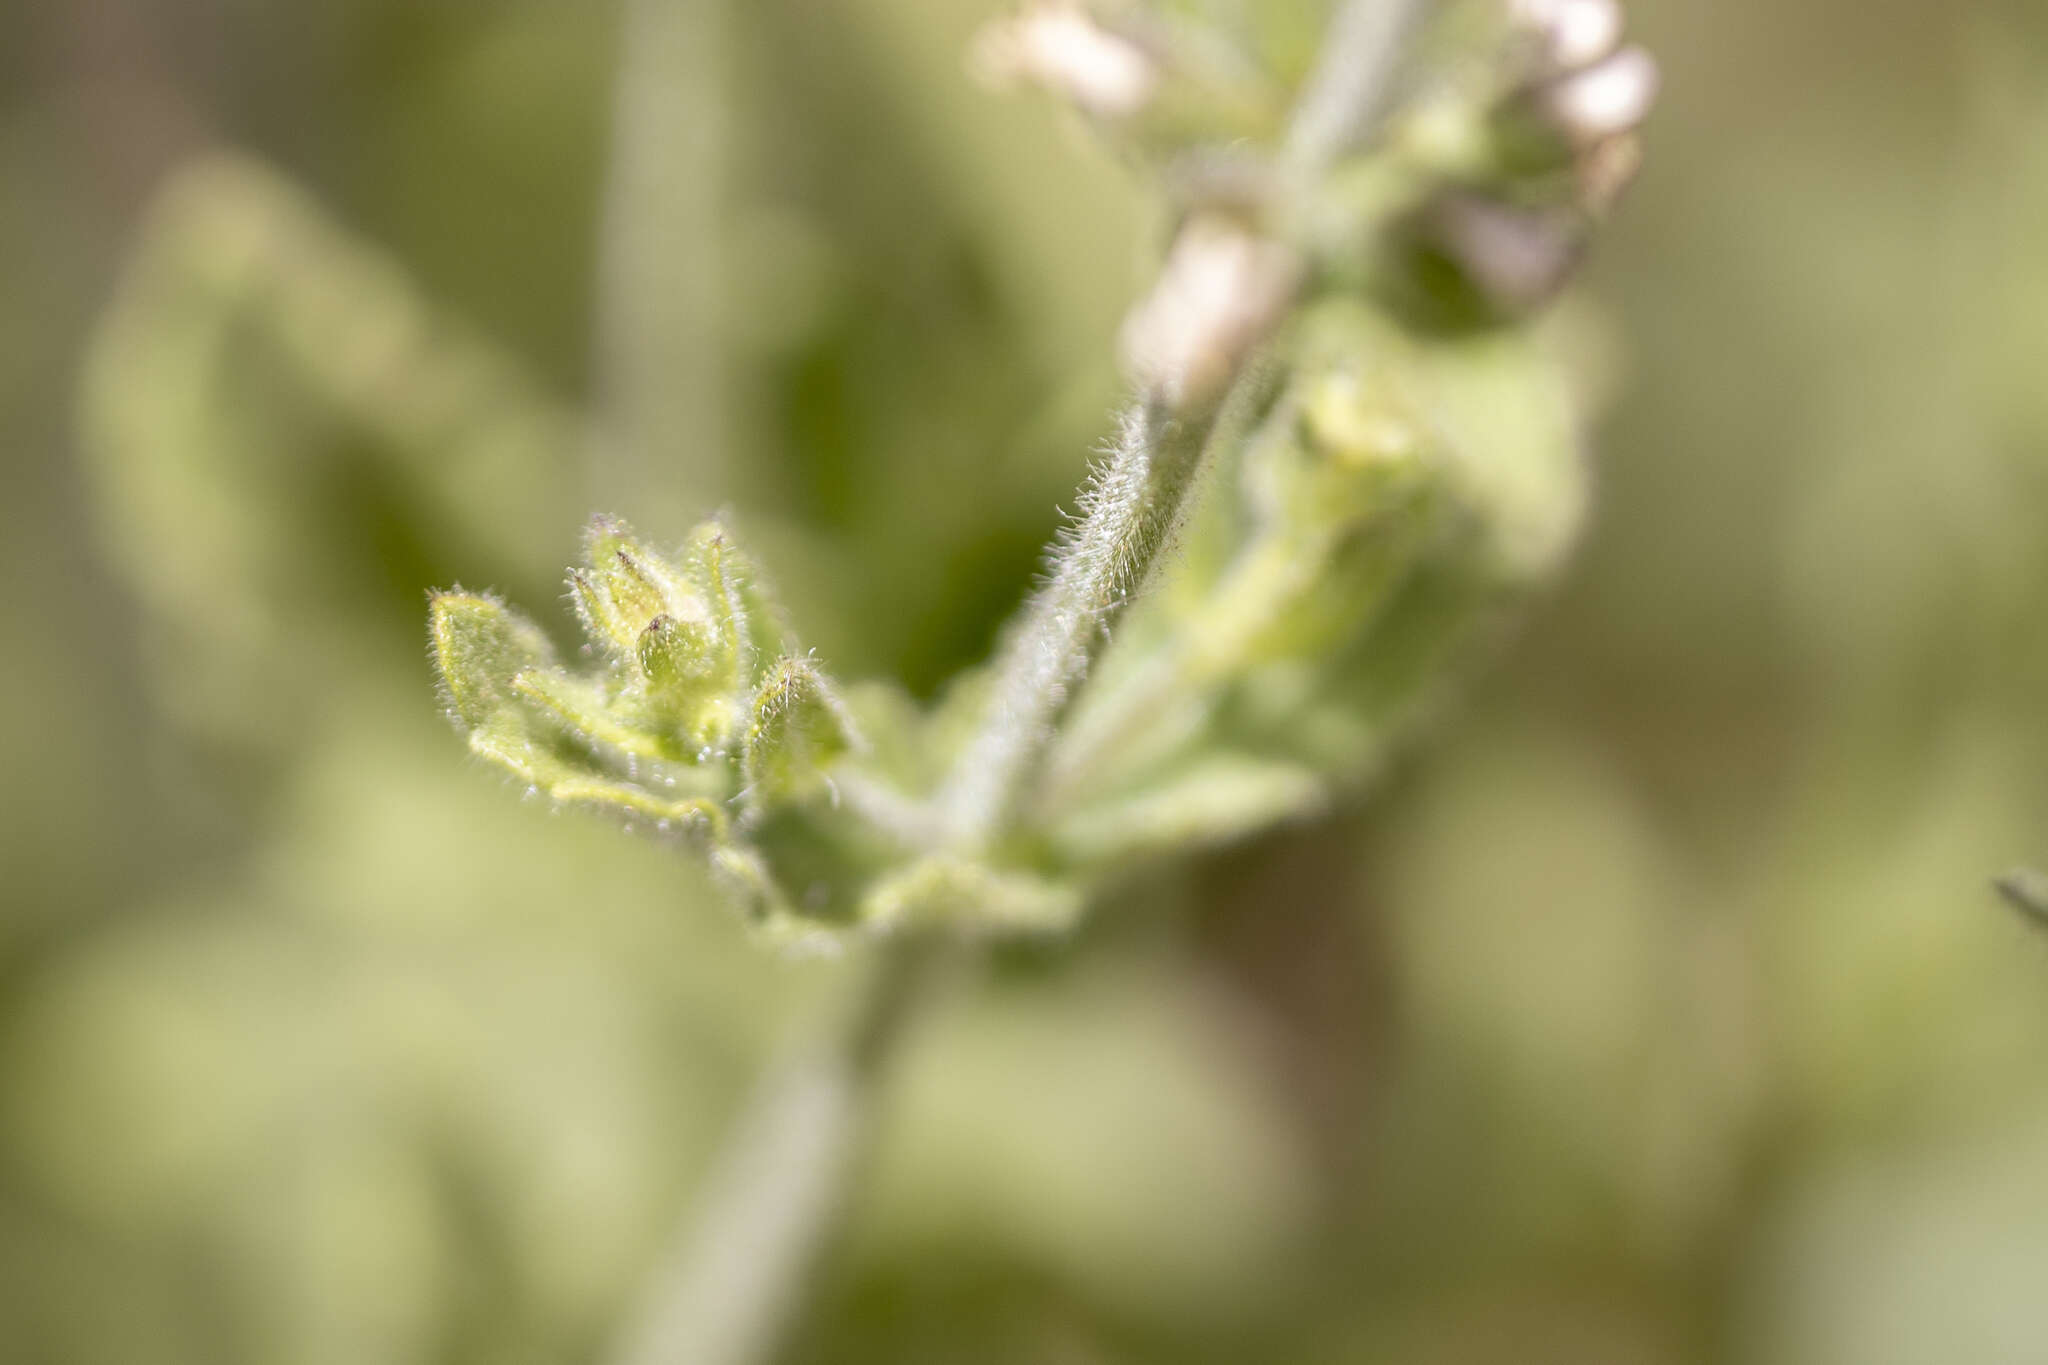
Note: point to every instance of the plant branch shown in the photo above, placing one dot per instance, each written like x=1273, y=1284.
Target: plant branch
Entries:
x=1221, y=294
x=1255, y=590
x=1131, y=506
x=728, y=1291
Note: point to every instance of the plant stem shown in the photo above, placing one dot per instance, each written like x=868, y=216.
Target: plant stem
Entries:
x=729, y=1291
x=1351, y=85
x=1131, y=507
x=1193, y=337
x=1256, y=589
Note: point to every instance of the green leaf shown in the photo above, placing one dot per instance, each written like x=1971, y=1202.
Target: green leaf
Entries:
x=613, y=723
x=940, y=892
x=514, y=742
x=601, y=621
x=680, y=656
x=744, y=875
x=1213, y=801
x=625, y=585
x=798, y=725
x=690, y=676
x=769, y=632
x=481, y=646
x=714, y=567
x=632, y=577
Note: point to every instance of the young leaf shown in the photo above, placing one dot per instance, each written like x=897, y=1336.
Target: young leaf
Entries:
x=624, y=586
x=798, y=726
x=940, y=893
x=480, y=647
x=514, y=742
x=715, y=569
x=604, y=722
x=1213, y=801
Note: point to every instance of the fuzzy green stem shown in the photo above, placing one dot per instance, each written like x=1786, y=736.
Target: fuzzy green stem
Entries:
x=730, y=1291
x=728, y=1294
x=1130, y=510
x=1267, y=577
x=1138, y=496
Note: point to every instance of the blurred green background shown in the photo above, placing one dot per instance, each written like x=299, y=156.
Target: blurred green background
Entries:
x=1657, y=1010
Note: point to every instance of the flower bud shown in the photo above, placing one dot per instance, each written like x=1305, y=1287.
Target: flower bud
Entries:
x=1602, y=101
x=623, y=587
x=1063, y=50
x=691, y=675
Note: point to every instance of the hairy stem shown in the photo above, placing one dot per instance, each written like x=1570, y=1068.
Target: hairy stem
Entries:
x=730, y=1290
x=1258, y=588
x=728, y=1294
x=1129, y=511
x=1188, y=344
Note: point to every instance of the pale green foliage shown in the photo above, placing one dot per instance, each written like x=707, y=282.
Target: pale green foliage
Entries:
x=1700, y=895
x=796, y=726
x=484, y=652
x=245, y=317
x=1346, y=451
x=1339, y=412
x=684, y=716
